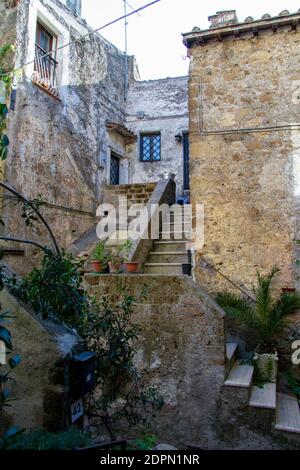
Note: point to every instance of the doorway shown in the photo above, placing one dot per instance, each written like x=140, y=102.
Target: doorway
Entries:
x=114, y=169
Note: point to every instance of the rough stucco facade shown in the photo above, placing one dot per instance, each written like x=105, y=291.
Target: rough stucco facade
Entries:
x=245, y=147
x=57, y=146
x=61, y=148
x=163, y=103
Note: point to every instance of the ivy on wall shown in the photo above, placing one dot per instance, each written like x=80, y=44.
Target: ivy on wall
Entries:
x=6, y=81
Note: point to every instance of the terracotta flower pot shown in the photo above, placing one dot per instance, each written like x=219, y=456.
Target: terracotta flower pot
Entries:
x=114, y=268
x=97, y=266
x=131, y=267
x=288, y=290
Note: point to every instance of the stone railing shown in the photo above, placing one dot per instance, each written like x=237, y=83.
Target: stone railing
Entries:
x=164, y=193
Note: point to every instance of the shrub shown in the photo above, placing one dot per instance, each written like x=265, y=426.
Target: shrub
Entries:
x=43, y=440
x=54, y=290
x=266, y=317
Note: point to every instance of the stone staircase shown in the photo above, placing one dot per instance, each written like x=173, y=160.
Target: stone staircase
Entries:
x=169, y=252
x=135, y=194
x=138, y=193
x=273, y=411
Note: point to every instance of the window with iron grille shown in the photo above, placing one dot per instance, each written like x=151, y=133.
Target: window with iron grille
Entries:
x=150, y=149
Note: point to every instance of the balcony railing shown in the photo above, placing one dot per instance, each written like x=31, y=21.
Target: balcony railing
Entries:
x=45, y=70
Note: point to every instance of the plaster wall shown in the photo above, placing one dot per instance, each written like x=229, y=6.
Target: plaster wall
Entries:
x=164, y=105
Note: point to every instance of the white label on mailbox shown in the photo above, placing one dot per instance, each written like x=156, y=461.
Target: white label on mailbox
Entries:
x=76, y=410
x=88, y=378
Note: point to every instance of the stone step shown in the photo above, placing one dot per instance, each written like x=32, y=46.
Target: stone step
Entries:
x=231, y=354
x=178, y=214
x=241, y=375
x=263, y=397
x=287, y=413
x=176, y=235
x=168, y=257
x=177, y=226
x=169, y=245
x=231, y=349
x=163, y=268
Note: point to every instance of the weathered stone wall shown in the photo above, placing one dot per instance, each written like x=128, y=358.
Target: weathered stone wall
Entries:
x=246, y=176
x=182, y=348
x=59, y=148
x=164, y=104
x=8, y=11
x=40, y=387
x=135, y=193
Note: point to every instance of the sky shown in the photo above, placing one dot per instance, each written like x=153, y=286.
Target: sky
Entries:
x=154, y=36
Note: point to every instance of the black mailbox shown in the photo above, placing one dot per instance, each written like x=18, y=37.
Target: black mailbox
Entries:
x=82, y=373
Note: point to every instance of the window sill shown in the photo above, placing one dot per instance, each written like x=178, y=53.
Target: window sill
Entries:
x=48, y=90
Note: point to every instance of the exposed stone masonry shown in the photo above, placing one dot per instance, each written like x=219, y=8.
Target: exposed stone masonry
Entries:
x=245, y=147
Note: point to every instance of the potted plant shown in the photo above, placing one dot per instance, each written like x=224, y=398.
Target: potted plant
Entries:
x=288, y=290
x=129, y=266
x=100, y=257
x=265, y=316
x=115, y=261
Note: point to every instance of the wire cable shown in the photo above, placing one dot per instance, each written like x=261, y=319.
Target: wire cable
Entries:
x=131, y=7
x=110, y=23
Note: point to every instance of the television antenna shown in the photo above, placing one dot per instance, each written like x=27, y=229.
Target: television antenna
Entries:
x=126, y=4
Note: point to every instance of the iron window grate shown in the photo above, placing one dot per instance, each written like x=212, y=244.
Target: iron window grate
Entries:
x=150, y=147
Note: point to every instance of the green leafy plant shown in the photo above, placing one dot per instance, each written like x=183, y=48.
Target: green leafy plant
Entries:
x=100, y=253
x=114, y=257
x=29, y=211
x=6, y=81
x=266, y=317
x=55, y=290
x=125, y=249
x=120, y=389
x=43, y=440
x=145, y=442
x=293, y=383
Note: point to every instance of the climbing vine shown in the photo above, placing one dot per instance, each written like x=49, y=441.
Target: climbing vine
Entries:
x=6, y=81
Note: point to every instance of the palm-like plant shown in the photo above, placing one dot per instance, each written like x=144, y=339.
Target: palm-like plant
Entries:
x=266, y=316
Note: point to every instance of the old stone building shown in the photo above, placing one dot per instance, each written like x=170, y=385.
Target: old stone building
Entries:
x=78, y=122
x=81, y=130
x=244, y=91
x=159, y=107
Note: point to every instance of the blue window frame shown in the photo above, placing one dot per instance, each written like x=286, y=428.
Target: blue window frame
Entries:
x=150, y=147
